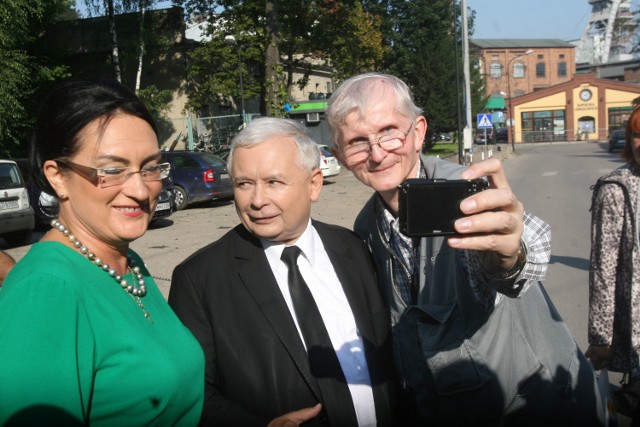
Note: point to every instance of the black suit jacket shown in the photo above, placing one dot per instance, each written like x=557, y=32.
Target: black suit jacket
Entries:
x=256, y=365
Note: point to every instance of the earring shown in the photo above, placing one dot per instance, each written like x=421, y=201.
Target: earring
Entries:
x=61, y=196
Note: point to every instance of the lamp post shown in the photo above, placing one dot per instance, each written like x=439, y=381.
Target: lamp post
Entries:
x=513, y=137
x=231, y=40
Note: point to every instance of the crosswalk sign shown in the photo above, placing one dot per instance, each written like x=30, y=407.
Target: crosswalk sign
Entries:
x=484, y=121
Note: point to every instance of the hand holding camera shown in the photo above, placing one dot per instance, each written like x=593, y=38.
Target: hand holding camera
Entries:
x=485, y=220
x=430, y=207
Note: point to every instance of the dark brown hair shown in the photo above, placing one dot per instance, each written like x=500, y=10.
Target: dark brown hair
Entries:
x=68, y=109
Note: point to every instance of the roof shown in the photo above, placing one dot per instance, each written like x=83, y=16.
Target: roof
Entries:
x=519, y=43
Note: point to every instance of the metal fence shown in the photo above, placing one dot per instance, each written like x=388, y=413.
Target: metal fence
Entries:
x=205, y=133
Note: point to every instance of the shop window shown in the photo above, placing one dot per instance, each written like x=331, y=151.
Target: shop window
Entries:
x=496, y=70
x=562, y=69
x=544, y=126
x=541, y=69
x=618, y=117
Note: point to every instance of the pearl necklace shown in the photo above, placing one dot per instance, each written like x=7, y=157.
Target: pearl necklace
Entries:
x=136, y=291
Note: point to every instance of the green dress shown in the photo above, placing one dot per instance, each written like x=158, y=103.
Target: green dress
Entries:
x=76, y=349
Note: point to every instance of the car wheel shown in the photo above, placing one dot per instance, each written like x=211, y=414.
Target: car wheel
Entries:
x=182, y=198
x=18, y=238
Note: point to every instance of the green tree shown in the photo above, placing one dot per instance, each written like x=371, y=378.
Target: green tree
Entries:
x=278, y=37
x=422, y=37
x=142, y=37
x=423, y=55
x=22, y=24
x=355, y=44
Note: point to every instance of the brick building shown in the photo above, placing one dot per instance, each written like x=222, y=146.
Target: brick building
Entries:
x=515, y=67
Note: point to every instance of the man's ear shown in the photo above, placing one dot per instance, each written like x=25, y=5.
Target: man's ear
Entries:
x=420, y=132
x=316, y=184
x=56, y=179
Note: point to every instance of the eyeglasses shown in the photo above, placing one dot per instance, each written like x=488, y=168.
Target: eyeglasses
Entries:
x=109, y=177
x=390, y=140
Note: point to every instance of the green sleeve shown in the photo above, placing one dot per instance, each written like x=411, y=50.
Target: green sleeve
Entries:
x=47, y=352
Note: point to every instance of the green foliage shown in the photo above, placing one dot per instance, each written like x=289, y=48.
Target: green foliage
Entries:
x=423, y=37
x=355, y=43
x=423, y=55
x=22, y=24
x=330, y=34
x=159, y=103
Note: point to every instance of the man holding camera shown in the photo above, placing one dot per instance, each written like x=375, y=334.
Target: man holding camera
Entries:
x=476, y=339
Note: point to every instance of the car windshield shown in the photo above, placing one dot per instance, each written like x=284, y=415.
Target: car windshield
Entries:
x=325, y=151
x=9, y=176
x=213, y=160
x=617, y=134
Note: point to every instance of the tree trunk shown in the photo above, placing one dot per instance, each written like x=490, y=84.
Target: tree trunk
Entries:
x=272, y=58
x=141, y=45
x=114, y=41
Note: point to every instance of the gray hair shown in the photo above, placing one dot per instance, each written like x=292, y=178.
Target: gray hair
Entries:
x=355, y=93
x=264, y=128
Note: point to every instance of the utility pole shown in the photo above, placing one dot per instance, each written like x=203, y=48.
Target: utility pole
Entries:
x=467, y=133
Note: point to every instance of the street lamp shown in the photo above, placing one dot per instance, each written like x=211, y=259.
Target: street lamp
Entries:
x=231, y=40
x=513, y=138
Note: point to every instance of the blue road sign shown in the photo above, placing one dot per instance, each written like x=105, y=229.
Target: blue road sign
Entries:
x=484, y=121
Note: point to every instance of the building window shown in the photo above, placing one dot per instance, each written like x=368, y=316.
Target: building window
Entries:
x=562, y=56
x=541, y=70
x=496, y=70
x=544, y=126
x=618, y=117
x=540, y=56
x=562, y=69
x=518, y=70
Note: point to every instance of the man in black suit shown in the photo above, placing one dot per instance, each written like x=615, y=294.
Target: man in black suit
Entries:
x=237, y=297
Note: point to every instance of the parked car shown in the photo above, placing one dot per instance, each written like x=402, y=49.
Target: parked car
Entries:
x=502, y=135
x=165, y=206
x=442, y=136
x=480, y=136
x=328, y=163
x=198, y=177
x=617, y=139
x=45, y=206
x=16, y=214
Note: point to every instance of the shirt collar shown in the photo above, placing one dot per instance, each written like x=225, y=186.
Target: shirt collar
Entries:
x=306, y=243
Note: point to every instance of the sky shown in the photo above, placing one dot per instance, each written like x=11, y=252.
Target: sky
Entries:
x=527, y=19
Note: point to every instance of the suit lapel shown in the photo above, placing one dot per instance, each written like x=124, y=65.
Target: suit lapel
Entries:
x=256, y=275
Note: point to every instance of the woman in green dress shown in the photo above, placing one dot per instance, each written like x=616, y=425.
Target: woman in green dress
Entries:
x=86, y=337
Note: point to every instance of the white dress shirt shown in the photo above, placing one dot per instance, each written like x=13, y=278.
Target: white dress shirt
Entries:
x=320, y=276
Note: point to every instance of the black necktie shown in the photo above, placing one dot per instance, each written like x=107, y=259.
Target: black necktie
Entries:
x=325, y=367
